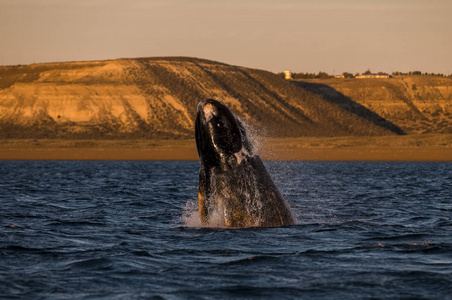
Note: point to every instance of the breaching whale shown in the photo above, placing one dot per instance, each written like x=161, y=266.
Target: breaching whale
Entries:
x=235, y=189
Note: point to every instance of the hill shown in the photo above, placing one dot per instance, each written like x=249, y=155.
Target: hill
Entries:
x=415, y=104
x=157, y=98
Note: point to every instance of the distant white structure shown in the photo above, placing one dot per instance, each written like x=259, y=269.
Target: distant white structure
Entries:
x=288, y=74
x=373, y=75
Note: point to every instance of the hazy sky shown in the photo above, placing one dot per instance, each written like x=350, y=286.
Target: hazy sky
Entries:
x=305, y=36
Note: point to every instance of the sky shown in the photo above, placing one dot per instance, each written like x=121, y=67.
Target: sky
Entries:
x=332, y=36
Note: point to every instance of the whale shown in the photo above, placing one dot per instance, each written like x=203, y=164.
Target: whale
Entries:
x=235, y=189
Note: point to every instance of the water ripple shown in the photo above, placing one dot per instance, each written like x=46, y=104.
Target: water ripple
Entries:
x=116, y=230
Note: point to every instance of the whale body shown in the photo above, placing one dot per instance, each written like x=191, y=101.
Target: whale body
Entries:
x=235, y=189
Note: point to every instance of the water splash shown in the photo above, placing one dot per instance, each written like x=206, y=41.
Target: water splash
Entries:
x=253, y=135
x=190, y=217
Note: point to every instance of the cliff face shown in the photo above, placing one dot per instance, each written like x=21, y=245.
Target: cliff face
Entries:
x=415, y=104
x=157, y=97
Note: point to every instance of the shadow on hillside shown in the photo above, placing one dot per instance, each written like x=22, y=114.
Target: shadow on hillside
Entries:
x=333, y=96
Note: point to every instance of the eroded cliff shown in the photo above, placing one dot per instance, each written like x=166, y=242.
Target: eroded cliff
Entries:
x=157, y=97
x=415, y=104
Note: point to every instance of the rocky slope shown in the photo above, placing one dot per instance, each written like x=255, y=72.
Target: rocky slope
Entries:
x=415, y=104
x=157, y=97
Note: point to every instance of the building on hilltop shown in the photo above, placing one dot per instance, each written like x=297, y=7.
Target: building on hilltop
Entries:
x=288, y=74
x=374, y=75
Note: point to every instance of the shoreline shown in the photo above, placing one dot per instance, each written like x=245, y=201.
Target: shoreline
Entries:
x=191, y=155
x=432, y=147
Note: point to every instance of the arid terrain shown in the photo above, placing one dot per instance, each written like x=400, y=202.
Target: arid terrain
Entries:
x=145, y=109
x=157, y=98
x=425, y=147
x=415, y=104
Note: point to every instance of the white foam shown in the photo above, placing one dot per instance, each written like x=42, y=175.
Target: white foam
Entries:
x=253, y=135
x=190, y=217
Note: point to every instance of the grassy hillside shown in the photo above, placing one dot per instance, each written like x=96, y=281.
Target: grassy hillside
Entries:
x=157, y=98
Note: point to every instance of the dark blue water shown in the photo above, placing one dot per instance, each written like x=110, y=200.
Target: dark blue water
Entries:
x=122, y=230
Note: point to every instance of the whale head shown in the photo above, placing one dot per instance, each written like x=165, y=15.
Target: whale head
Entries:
x=220, y=136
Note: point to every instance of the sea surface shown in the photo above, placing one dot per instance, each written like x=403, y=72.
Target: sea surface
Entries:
x=130, y=230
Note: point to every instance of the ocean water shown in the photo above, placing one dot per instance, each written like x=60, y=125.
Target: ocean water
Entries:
x=129, y=230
